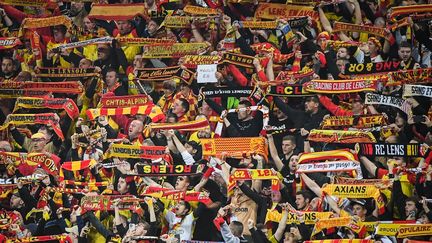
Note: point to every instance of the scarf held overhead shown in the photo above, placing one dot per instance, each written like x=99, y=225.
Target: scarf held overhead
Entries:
x=53, y=103
x=391, y=149
x=339, y=136
x=340, y=86
x=135, y=151
x=117, y=11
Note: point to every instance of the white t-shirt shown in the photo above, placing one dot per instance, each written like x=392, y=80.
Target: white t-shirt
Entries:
x=180, y=226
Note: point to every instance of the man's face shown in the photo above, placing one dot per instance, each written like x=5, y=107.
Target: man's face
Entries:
x=275, y=196
x=135, y=128
x=103, y=52
x=76, y=7
x=138, y=61
x=340, y=63
x=357, y=107
x=280, y=115
x=404, y=53
x=372, y=47
x=181, y=183
x=359, y=210
x=38, y=144
x=152, y=27
x=16, y=202
x=7, y=66
x=88, y=24
x=409, y=207
x=122, y=186
x=287, y=146
x=300, y=202
x=58, y=35
x=124, y=27
x=84, y=63
x=342, y=53
x=185, y=90
x=310, y=106
x=177, y=108
x=241, y=115
x=293, y=163
x=110, y=78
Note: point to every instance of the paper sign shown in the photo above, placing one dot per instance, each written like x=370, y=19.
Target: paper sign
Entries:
x=207, y=73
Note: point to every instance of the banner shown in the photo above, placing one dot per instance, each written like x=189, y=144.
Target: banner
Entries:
x=66, y=72
x=34, y=23
x=309, y=217
x=195, y=10
x=168, y=170
x=32, y=119
x=124, y=101
x=276, y=10
x=174, y=50
x=135, y=151
x=414, y=230
x=417, y=90
x=69, y=87
x=331, y=166
x=245, y=146
x=339, y=136
x=52, y=103
x=211, y=92
x=355, y=191
x=190, y=126
x=117, y=11
x=293, y=90
x=238, y=59
x=192, y=61
x=379, y=99
x=340, y=154
x=133, y=110
x=162, y=74
x=391, y=149
x=364, y=121
x=9, y=42
x=340, y=26
x=372, y=67
x=340, y=86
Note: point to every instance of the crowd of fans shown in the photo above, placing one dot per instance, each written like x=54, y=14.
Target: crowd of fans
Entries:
x=172, y=165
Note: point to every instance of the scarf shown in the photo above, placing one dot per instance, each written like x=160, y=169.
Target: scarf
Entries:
x=169, y=170
x=32, y=3
x=52, y=103
x=105, y=203
x=63, y=238
x=33, y=160
x=195, y=10
x=238, y=59
x=355, y=191
x=309, y=217
x=34, y=23
x=192, y=61
x=293, y=90
x=211, y=92
x=117, y=11
x=258, y=24
x=31, y=119
x=176, y=195
x=133, y=110
x=66, y=72
x=417, y=90
x=331, y=166
x=340, y=86
x=124, y=101
x=174, y=50
x=162, y=74
x=69, y=87
x=380, y=183
x=378, y=99
x=9, y=42
x=245, y=147
x=364, y=121
x=340, y=154
x=352, y=223
x=372, y=67
x=408, y=10
x=276, y=10
x=340, y=241
x=17, y=93
x=135, y=151
x=391, y=149
x=339, y=26
x=414, y=230
x=96, y=41
x=338, y=136
x=190, y=126
x=253, y=174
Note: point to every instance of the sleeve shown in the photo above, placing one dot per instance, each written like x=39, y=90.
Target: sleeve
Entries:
x=187, y=157
x=244, y=47
x=297, y=117
x=399, y=198
x=238, y=76
x=334, y=109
